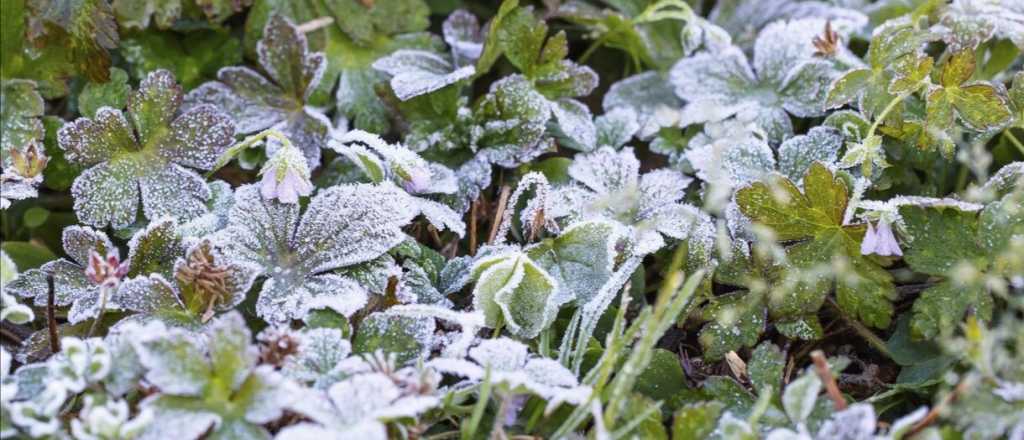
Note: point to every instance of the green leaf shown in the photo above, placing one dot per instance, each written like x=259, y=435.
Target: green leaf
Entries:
x=27, y=255
x=941, y=308
x=113, y=93
x=696, y=420
x=580, y=259
x=136, y=14
x=364, y=22
x=765, y=367
x=85, y=27
x=977, y=104
x=663, y=378
x=514, y=291
x=192, y=58
x=815, y=218
x=493, y=46
x=21, y=108
x=408, y=338
x=800, y=395
x=736, y=320
x=848, y=87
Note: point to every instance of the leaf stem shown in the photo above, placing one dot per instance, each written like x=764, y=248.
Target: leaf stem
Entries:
x=51, y=320
x=885, y=112
x=1013, y=140
x=246, y=143
x=831, y=387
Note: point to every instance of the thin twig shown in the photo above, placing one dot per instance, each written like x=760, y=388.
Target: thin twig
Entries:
x=472, y=226
x=51, y=320
x=314, y=24
x=934, y=413
x=499, y=213
x=831, y=387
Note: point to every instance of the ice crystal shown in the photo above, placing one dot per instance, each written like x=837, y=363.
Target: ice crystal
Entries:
x=257, y=103
x=150, y=157
x=343, y=225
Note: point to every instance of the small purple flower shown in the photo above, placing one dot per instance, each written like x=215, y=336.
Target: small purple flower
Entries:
x=880, y=241
x=286, y=176
x=418, y=180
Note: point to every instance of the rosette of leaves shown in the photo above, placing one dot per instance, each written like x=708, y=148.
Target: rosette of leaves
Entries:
x=962, y=247
x=610, y=187
x=281, y=102
x=509, y=365
x=149, y=156
x=343, y=226
x=209, y=382
x=812, y=222
x=784, y=78
x=381, y=162
x=977, y=104
x=71, y=285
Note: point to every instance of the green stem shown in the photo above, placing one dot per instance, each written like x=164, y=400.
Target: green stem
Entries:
x=104, y=292
x=246, y=143
x=1013, y=140
x=469, y=429
x=885, y=112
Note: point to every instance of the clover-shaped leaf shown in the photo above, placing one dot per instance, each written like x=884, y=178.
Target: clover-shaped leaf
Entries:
x=257, y=103
x=343, y=226
x=814, y=218
x=210, y=380
x=149, y=158
x=978, y=104
x=784, y=78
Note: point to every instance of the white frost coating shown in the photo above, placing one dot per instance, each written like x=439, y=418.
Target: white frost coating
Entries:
x=797, y=153
x=783, y=77
x=153, y=160
x=320, y=350
x=649, y=206
x=469, y=322
x=461, y=32
x=296, y=254
x=510, y=365
x=616, y=127
x=575, y=123
x=646, y=94
x=512, y=289
x=419, y=72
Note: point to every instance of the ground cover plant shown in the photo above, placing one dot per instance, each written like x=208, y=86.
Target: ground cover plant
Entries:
x=459, y=219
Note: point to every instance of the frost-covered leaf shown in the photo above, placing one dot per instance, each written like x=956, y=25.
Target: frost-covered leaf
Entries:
x=417, y=72
x=575, y=124
x=137, y=14
x=967, y=23
x=580, y=259
x=797, y=153
x=784, y=78
x=514, y=117
x=742, y=19
x=407, y=338
x=461, y=31
x=650, y=96
x=21, y=110
x=297, y=255
x=257, y=103
x=815, y=219
x=800, y=395
x=320, y=350
x=977, y=104
x=735, y=321
x=148, y=158
x=515, y=292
